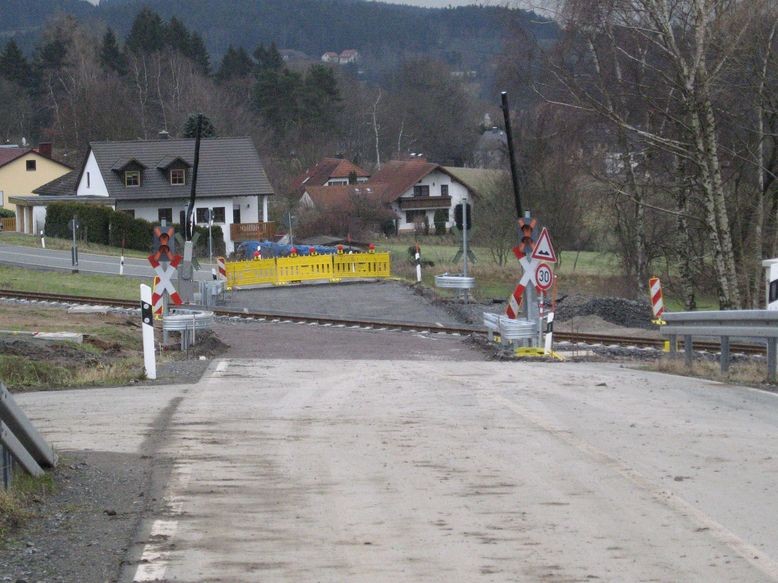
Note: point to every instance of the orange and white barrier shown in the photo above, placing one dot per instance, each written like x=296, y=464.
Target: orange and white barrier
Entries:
x=221, y=269
x=657, y=301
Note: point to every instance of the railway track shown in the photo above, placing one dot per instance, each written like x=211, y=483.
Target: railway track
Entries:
x=574, y=338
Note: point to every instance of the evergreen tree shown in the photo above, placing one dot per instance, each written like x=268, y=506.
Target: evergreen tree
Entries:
x=268, y=59
x=190, y=127
x=148, y=33
x=177, y=37
x=199, y=54
x=236, y=63
x=14, y=67
x=111, y=57
x=276, y=97
x=321, y=97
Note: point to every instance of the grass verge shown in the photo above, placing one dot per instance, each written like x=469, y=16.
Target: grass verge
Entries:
x=17, y=504
x=23, y=373
x=22, y=240
x=77, y=284
x=752, y=374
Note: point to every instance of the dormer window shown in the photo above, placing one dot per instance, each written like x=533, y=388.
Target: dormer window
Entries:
x=177, y=176
x=131, y=178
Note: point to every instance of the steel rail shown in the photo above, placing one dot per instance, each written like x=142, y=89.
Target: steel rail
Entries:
x=572, y=337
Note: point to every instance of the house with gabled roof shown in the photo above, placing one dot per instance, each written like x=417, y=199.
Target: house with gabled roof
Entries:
x=23, y=169
x=416, y=189
x=329, y=172
x=151, y=180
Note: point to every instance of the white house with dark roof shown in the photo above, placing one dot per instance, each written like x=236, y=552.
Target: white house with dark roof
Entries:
x=151, y=180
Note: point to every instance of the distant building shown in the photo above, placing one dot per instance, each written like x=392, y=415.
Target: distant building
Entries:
x=151, y=180
x=348, y=56
x=344, y=58
x=491, y=150
x=329, y=172
x=23, y=169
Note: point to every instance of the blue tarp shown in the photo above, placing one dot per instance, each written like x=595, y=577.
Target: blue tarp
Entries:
x=269, y=249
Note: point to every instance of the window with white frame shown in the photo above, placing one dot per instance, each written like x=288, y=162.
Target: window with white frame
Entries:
x=178, y=176
x=131, y=178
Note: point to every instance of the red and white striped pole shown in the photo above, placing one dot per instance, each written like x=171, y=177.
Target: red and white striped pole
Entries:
x=221, y=268
x=657, y=301
x=418, y=264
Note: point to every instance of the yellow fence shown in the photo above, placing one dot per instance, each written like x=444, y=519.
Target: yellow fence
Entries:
x=286, y=270
x=8, y=224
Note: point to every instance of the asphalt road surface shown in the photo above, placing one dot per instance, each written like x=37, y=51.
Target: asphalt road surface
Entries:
x=446, y=469
x=36, y=257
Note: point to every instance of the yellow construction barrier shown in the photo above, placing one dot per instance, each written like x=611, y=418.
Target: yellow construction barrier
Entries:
x=303, y=268
x=252, y=272
x=362, y=265
x=286, y=270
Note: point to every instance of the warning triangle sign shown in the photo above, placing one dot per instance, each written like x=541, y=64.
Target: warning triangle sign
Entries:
x=544, y=250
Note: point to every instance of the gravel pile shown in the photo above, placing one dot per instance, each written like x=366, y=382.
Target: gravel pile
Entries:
x=629, y=313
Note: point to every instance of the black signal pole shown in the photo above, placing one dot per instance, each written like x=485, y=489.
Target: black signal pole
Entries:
x=511, y=154
x=188, y=229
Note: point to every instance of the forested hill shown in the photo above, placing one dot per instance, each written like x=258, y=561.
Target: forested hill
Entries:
x=463, y=36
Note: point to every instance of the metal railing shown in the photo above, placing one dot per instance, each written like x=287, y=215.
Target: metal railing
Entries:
x=759, y=324
x=20, y=442
x=187, y=322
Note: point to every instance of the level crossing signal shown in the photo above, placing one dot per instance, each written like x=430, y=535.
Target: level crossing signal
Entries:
x=462, y=216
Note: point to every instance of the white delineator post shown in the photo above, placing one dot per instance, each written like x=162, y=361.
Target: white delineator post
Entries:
x=147, y=318
x=549, y=333
x=43, y=240
x=418, y=264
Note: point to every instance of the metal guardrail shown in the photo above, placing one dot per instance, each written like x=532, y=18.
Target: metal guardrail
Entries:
x=761, y=324
x=448, y=281
x=20, y=442
x=187, y=322
x=510, y=330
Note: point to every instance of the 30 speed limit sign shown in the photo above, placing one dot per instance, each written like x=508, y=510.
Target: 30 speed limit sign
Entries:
x=543, y=277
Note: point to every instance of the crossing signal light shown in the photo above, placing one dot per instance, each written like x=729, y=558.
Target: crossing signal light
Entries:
x=459, y=219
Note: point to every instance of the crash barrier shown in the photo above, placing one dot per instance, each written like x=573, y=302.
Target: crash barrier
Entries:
x=448, y=281
x=188, y=323
x=761, y=324
x=211, y=293
x=286, y=270
x=510, y=330
x=20, y=442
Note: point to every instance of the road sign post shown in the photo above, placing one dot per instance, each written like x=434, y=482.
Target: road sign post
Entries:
x=73, y=224
x=147, y=319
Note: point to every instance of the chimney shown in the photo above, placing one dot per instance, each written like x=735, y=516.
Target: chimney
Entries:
x=163, y=135
x=44, y=149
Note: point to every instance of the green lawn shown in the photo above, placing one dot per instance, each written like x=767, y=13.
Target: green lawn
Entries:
x=585, y=271
x=11, y=238
x=78, y=284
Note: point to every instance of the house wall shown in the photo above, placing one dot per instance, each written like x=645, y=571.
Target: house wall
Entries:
x=149, y=210
x=16, y=180
x=91, y=182
x=456, y=190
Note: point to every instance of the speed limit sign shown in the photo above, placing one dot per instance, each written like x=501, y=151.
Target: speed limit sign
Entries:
x=543, y=277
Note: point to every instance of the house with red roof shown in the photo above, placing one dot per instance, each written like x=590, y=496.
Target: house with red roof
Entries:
x=411, y=190
x=416, y=189
x=329, y=172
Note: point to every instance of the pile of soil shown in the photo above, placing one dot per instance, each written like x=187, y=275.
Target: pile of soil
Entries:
x=619, y=311
x=64, y=355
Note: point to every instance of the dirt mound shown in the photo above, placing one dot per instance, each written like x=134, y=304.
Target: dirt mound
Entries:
x=619, y=311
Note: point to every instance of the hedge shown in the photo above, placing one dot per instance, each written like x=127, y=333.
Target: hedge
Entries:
x=101, y=224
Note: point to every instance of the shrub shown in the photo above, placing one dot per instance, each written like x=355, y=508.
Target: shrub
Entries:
x=6, y=214
x=440, y=218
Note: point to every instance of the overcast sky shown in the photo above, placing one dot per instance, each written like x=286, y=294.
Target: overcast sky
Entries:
x=536, y=5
